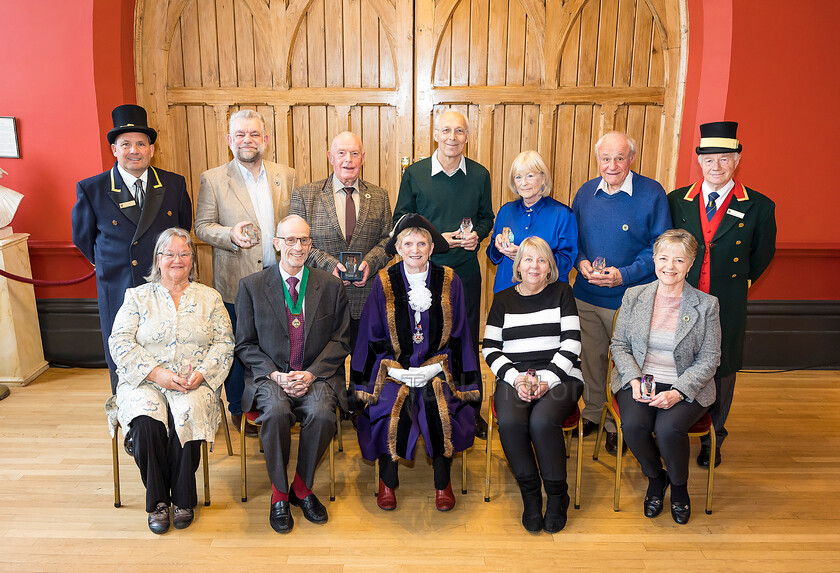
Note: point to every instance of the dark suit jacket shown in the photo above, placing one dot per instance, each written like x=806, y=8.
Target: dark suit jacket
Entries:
x=742, y=248
x=315, y=202
x=262, y=330
x=120, y=240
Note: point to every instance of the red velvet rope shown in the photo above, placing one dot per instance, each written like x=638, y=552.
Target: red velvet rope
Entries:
x=38, y=282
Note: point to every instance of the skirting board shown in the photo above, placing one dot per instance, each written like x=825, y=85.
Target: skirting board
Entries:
x=781, y=334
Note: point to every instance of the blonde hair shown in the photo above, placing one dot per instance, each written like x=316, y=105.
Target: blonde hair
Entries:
x=419, y=230
x=543, y=250
x=530, y=161
x=679, y=237
x=163, y=241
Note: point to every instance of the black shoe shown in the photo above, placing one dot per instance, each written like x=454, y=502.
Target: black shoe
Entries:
x=532, y=516
x=128, y=444
x=280, y=517
x=612, y=444
x=313, y=510
x=159, y=519
x=653, y=503
x=681, y=512
x=556, y=507
x=705, y=453
x=480, y=427
x=588, y=427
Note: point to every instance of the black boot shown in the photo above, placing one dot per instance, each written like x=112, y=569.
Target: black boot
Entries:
x=556, y=505
x=531, y=490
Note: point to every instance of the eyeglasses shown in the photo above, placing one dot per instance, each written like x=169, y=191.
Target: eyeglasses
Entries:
x=447, y=131
x=181, y=256
x=290, y=241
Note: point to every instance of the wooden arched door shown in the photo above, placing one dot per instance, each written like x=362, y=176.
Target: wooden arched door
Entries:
x=551, y=75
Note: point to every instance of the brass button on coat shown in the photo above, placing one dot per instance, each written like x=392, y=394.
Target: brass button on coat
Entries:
x=134, y=263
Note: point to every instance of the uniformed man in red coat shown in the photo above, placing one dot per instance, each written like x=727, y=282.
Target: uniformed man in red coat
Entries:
x=735, y=228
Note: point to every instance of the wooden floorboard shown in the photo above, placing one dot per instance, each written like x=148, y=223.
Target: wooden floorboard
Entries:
x=776, y=500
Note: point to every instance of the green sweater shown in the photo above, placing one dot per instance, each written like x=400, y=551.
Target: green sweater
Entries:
x=444, y=201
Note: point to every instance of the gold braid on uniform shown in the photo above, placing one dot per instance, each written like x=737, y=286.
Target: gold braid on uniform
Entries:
x=446, y=305
x=389, y=309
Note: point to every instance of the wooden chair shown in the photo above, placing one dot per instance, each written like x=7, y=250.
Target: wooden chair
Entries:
x=701, y=428
x=251, y=419
x=573, y=422
x=115, y=448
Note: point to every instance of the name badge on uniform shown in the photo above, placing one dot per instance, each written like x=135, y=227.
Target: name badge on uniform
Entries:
x=127, y=204
x=735, y=213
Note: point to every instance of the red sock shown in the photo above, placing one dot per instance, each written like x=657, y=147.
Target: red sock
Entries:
x=301, y=491
x=277, y=495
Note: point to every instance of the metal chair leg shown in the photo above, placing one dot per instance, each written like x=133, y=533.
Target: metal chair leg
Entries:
x=338, y=430
x=618, y=458
x=225, y=427
x=711, y=478
x=332, y=470
x=116, y=461
x=464, y=472
x=600, y=431
x=243, y=475
x=205, y=457
x=579, y=462
x=376, y=477
x=488, y=448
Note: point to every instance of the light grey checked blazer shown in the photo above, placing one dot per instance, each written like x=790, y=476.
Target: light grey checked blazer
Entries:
x=697, y=349
x=315, y=203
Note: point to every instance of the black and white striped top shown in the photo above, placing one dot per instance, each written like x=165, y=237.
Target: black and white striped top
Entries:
x=540, y=331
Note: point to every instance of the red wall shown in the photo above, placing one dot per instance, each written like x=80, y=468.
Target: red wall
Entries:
x=769, y=65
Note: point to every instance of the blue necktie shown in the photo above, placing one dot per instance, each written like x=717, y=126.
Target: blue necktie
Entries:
x=711, y=207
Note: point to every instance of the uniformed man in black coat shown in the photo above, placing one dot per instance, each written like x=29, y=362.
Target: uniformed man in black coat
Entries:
x=119, y=214
x=735, y=228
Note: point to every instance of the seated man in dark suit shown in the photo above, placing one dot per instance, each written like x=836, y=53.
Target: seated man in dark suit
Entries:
x=292, y=338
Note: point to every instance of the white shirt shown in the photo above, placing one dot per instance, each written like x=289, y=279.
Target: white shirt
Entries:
x=299, y=278
x=129, y=180
x=722, y=192
x=260, y=195
x=340, y=197
x=437, y=167
x=626, y=186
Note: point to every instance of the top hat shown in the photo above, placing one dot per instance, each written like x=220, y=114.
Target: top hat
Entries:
x=130, y=118
x=410, y=221
x=719, y=137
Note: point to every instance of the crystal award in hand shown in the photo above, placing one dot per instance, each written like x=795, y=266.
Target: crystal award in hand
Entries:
x=507, y=237
x=533, y=384
x=598, y=265
x=252, y=233
x=184, y=368
x=466, y=227
x=648, y=387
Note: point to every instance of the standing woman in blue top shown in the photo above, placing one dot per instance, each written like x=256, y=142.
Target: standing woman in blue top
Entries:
x=533, y=214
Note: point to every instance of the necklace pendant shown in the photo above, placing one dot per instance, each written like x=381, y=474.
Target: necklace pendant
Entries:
x=296, y=323
x=418, y=335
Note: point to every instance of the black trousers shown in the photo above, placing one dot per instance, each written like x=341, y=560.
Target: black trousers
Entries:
x=472, y=300
x=638, y=423
x=278, y=413
x=388, y=471
x=166, y=468
x=725, y=390
x=529, y=428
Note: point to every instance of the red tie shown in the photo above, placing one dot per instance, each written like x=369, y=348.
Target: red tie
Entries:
x=349, y=214
x=295, y=333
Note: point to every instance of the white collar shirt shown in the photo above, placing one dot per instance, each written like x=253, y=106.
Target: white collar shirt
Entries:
x=722, y=193
x=437, y=167
x=340, y=197
x=260, y=195
x=129, y=180
x=626, y=186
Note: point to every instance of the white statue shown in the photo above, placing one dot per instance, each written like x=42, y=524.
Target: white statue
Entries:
x=9, y=202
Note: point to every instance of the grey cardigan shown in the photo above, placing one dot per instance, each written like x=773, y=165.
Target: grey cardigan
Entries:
x=697, y=348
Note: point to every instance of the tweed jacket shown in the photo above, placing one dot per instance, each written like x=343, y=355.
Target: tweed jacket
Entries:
x=697, y=348
x=262, y=330
x=315, y=202
x=223, y=201
x=741, y=250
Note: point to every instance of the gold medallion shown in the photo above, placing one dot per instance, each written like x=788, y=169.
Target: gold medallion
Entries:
x=296, y=323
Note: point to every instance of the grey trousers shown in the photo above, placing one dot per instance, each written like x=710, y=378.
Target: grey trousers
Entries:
x=278, y=413
x=725, y=388
x=595, y=334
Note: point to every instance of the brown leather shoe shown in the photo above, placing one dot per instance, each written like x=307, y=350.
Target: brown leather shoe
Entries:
x=611, y=444
x=182, y=517
x=387, y=498
x=444, y=498
x=159, y=519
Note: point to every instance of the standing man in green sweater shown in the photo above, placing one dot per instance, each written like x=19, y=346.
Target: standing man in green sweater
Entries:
x=446, y=188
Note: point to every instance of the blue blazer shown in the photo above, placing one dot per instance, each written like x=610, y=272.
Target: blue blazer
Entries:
x=112, y=233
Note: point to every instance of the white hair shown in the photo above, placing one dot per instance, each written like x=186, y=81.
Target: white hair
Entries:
x=245, y=114
x=630, y=142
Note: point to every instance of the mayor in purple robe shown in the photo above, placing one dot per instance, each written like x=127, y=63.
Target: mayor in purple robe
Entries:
x=414, y=366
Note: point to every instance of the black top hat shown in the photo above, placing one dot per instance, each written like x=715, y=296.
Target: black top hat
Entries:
x=410, y=221
x=130, y=118
x=719, y=137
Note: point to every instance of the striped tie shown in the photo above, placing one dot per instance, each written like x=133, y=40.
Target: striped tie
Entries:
x=711, y=207
x=139, y=194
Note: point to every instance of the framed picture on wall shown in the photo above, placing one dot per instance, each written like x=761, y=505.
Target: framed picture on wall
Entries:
x=8, y=138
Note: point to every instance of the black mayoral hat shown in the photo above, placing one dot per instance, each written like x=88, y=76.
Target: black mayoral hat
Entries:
x=411, y=221
x=719, y=137
x=130, y=118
